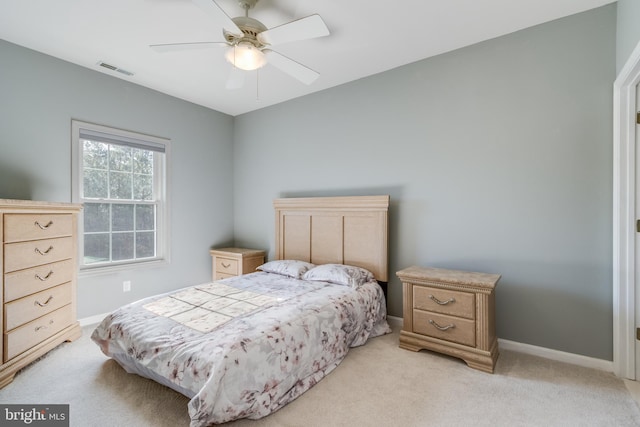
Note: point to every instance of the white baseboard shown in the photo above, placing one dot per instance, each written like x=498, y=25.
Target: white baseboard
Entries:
x=395, y=322
x=547, y=353
x=560, y=356
x=92, y=320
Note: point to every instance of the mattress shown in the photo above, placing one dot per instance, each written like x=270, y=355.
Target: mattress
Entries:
x=243, y=347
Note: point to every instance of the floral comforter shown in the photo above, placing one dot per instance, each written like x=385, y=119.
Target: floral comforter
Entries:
x=244, y=346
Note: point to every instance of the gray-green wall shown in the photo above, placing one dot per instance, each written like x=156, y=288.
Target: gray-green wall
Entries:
x=497, y=158
x=39, y=95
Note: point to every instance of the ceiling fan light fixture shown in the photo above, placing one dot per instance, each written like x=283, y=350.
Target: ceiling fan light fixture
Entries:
x=246, y=56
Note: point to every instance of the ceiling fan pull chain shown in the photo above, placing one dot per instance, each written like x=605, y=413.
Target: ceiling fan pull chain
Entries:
x=257, y=86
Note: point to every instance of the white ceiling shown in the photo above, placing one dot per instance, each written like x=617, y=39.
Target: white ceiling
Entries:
x=367, y=37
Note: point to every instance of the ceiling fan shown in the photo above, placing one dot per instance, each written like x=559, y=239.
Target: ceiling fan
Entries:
x=249, y=42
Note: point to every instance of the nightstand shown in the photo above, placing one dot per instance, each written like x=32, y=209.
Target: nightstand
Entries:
x=451, y=312
x=229, y=262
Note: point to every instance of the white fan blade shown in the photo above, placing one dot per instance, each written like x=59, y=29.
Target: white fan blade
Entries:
x=236, y=79
x=302, y=29
x=173, y=47
x=212, y=8
x=305, y=74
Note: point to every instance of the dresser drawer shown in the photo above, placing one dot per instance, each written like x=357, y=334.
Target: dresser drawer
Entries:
x=454, y=303
x=227, y=266
x=20, y=227
x=36, y=331
x=31, y=307
x=26, y=282
x=462, y=331
x=18, y=256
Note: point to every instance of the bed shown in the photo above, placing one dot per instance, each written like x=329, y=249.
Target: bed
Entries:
x=245, y=346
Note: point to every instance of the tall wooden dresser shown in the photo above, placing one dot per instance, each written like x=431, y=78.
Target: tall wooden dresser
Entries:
x=38, y=259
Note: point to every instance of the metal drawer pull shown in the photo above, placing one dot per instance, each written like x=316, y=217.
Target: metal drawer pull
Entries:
x=225, y=265
x=37, y=328
x=42, y=304
x=44, y=227
x=442, y=328
x=39, y=277
x=45, y=252
x=437, y=301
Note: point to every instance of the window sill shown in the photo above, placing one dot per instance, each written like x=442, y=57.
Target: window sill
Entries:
x=111, y=269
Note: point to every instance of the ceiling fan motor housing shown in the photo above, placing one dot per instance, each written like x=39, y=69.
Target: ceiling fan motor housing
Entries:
x=246, y=50
x=250, y=29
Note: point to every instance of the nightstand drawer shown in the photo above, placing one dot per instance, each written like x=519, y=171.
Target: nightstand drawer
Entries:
x=227, y=266
x=220, y=276
x=455, y=329
x=454, y=303
x=20, y=227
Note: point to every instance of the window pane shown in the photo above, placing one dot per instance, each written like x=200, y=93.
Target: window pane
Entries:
x=122, y=218
x=142, y=187
x=122, y=246
x=120, y=185
x=95, y=154
x=120, y=158
x=96, y=217
x=95, y=184
x=145, y=244
x=142, y=161
x=96, y=248
x=145, y=217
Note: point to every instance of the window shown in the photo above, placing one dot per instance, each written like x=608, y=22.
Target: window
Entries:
x=120, y=178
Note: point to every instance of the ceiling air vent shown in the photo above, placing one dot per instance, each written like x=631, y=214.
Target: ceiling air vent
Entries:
x=114, y=68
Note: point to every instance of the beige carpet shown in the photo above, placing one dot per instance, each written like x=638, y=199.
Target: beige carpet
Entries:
x=378, y=384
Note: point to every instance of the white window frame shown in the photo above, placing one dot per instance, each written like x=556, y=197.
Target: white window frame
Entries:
x=161, y=180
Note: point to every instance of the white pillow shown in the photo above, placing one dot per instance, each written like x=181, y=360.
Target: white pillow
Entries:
x=287, y=267
x=341, y=274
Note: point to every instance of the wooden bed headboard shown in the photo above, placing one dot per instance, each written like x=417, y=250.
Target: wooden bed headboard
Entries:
x=341, y=230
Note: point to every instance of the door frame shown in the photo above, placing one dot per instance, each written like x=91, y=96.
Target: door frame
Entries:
x=624, y=216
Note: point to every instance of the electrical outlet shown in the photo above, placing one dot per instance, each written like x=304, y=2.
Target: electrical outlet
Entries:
x=126, y=286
